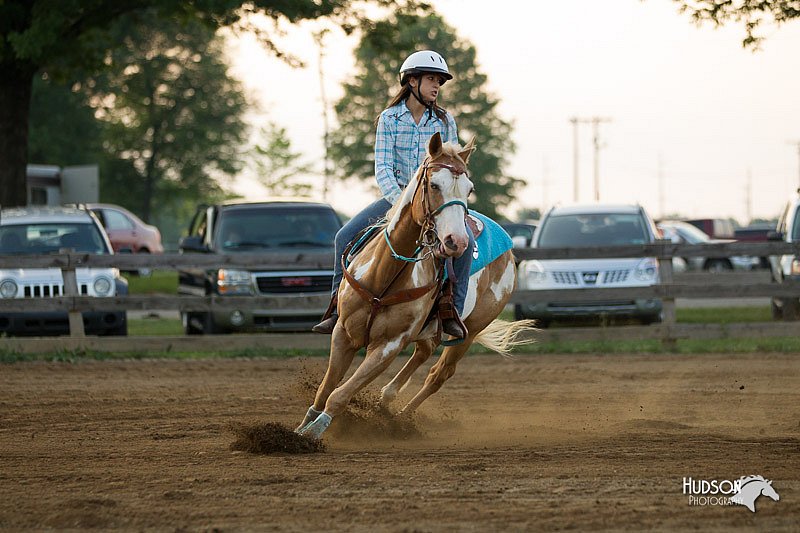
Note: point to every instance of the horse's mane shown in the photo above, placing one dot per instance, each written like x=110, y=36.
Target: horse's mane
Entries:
x=448, y=149
x=744, y=480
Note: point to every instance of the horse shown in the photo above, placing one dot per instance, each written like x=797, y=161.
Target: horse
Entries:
x=750, y=488
x=391, y=286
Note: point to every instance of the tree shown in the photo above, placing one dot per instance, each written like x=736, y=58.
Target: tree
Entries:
x=277, y=166
x=71, y=33
x=382, y=49
x=170, y=109
x=749, y=12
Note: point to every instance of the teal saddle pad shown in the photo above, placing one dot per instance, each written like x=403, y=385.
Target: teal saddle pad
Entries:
x=491, y=244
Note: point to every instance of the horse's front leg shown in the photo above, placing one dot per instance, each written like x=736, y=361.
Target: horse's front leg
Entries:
x=423, y=350
x=341, y=357
x=379, y=357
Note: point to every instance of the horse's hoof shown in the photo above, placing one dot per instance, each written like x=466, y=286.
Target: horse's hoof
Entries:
x=316, y=428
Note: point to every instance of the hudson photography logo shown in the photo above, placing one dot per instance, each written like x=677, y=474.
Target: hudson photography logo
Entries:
x=743, y=491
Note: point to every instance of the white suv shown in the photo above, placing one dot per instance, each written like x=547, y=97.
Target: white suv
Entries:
x=583, y=226
x=48, y=230
x=786, y=268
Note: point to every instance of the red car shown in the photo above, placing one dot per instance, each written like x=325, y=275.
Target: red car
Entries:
x=126, y=231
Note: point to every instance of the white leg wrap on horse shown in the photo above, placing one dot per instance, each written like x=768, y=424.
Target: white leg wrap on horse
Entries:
x=311, y=415
x=316, y=428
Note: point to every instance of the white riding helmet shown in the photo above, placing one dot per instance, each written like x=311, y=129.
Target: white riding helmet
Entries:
x=424, y=61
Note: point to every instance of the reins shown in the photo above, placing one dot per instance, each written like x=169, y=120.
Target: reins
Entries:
x=427, y=239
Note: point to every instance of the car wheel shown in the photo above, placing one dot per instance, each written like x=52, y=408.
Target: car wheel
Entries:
x=188, y=327
x=518, y=314
x=542, y=323
x=210, y=327
x=647, y=320
x=119, y=331
x=718, y=265
x=777, y=311
x=791, y=309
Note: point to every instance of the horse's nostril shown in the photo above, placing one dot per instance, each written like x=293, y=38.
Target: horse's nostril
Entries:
x=450, y=243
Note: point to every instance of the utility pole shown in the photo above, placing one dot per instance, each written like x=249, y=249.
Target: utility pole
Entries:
x=595, y=122
x=575, y=183
x=326, y=171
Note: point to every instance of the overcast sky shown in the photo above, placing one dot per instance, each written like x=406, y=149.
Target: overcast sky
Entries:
x=692, y=113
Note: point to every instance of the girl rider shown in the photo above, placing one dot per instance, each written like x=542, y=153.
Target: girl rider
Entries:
x=403, y=131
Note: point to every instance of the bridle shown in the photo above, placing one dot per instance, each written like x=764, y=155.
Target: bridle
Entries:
x=428, y=239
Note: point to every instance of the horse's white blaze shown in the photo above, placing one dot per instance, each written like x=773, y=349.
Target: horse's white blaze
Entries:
x=505, y=284
x=450, y=221
x=472, y=293
x=362, y=269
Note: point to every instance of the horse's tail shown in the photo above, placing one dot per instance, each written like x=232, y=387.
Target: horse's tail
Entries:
x=502, y=336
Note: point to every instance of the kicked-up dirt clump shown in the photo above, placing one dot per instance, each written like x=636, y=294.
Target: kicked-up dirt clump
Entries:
x=272, y=437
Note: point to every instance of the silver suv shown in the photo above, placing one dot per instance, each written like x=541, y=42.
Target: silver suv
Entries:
x=786, y=267
x=49, y=230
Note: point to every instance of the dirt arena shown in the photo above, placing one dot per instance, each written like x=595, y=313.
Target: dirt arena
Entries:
x=545, y=442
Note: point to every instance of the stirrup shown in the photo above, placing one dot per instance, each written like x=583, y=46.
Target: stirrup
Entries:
x=326, y=326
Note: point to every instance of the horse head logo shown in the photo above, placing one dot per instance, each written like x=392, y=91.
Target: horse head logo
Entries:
x=750, y=488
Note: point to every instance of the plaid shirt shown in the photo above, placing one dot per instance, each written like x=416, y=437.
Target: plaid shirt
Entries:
x=400, y=145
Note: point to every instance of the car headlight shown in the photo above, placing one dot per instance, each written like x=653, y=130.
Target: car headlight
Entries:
x=8, y=288
x=102, y=286
x=646, y=270
x=532, y=273
x=234, y=281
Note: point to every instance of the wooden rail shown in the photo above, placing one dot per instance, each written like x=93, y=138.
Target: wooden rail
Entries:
x=670, y=287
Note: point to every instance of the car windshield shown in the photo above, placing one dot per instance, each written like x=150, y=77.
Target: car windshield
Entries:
x=50, y=238
x=596, y=229
x=247, y=230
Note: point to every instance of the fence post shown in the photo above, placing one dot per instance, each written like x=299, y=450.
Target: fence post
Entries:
x=71, y=289
x=668, y=303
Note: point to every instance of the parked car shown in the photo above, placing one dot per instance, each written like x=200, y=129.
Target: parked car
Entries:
x=583, y=226
x=126, y=231
x=275, y=227
x=755, y=234
x=47, y=230
x=683, y=232
x=521, y=233
x=786, y=268
x=716, y=228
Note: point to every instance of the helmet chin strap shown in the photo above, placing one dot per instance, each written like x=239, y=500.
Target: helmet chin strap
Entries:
x=418, y=96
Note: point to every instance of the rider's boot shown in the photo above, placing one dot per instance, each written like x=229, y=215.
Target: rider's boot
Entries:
x=451, y=322
x=329, y=319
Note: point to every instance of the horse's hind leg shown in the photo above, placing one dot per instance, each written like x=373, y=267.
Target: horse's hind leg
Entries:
x=422, y=351
x=341, y=358
x=440, y=372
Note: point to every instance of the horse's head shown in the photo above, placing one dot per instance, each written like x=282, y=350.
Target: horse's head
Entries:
x=440, y=203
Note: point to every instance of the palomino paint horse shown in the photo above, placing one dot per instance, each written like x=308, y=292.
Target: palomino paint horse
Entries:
x=426, y=224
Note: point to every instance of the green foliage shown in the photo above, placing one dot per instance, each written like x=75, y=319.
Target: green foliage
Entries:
x=62, y=130
x=383, y=47
x=173, y=116
x=750, y=13
x=277, y=166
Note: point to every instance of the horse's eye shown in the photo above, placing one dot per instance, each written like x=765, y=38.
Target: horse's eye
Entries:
x=434, y=187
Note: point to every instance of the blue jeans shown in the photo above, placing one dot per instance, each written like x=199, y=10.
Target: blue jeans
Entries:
x=374, y=212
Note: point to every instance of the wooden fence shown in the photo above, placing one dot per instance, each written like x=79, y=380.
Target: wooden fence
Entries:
x=670, y=287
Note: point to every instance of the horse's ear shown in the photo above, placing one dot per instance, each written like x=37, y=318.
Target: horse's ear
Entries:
x=467, y=151
x=435, y=145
